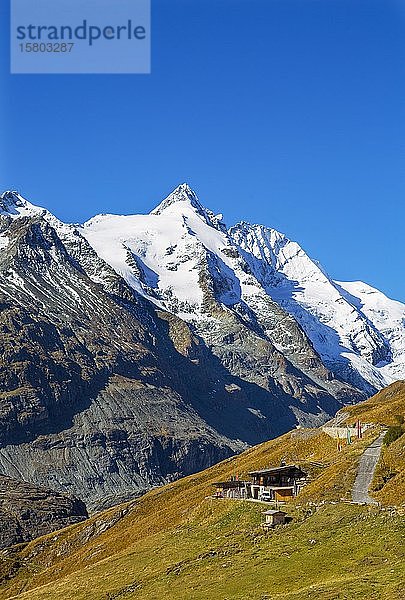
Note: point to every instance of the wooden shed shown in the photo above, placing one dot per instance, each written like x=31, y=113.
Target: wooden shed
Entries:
x=232, y=489
x=274, y=517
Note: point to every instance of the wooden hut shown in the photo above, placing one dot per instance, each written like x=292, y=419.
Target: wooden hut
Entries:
x=280, y=484
x=273, y=518
x=232, y=489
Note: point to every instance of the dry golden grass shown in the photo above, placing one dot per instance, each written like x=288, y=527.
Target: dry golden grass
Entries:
x=389, y=481
x=382, y=408
x=161, y=510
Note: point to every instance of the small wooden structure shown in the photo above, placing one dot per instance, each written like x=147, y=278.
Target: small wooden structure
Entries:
x=273, y=518
x=232, y=489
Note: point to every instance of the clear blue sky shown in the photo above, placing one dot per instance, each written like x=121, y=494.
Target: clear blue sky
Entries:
x=283, y=112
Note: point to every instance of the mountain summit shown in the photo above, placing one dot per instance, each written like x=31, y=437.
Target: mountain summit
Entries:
x=137, y=349
x=183, y=193
x=183, y=201
x=11, y=203
x=172, y=256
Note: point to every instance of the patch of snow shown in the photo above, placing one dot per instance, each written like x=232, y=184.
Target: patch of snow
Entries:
x=3, y=242
x=257, y=413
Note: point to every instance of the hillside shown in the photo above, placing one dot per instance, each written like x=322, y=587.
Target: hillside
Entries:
x=175, y=543
x=388, y=408
x=382, y=408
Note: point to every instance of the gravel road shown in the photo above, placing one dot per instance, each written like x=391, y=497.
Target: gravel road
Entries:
x=365, y=472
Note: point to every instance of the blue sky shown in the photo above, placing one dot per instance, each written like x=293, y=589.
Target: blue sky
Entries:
x=283, y=112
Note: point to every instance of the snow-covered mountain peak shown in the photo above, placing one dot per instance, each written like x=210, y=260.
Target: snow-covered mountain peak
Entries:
x=335, y=320
x=263, y=241
x=14, y=205
x=182, y=195
x=274, y=257
x=180, y=248
x=9, y=199
x=183, y=202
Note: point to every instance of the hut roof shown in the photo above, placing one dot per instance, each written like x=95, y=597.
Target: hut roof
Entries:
x=281, y=469
x=274, y=512
x=231, y=484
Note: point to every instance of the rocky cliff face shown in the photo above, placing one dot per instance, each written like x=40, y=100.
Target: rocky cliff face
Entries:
x=135, y=350
x=28, y=511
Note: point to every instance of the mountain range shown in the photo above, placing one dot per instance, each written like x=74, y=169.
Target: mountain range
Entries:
x=137, y=349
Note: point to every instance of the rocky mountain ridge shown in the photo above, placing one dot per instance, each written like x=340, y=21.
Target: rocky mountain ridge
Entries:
x=138, y=349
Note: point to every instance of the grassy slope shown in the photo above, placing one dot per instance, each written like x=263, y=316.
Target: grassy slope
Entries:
x=220, y=552
x=381, y=408
x=174, y=543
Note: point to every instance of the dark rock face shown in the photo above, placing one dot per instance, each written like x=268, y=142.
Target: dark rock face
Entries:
x=28, y=511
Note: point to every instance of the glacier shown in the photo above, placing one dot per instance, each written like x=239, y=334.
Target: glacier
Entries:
x=358, y=332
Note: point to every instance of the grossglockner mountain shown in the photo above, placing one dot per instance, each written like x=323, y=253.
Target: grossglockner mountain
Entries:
x=137, y=349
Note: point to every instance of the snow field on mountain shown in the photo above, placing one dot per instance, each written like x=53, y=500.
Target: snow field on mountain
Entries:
x=181, y=249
